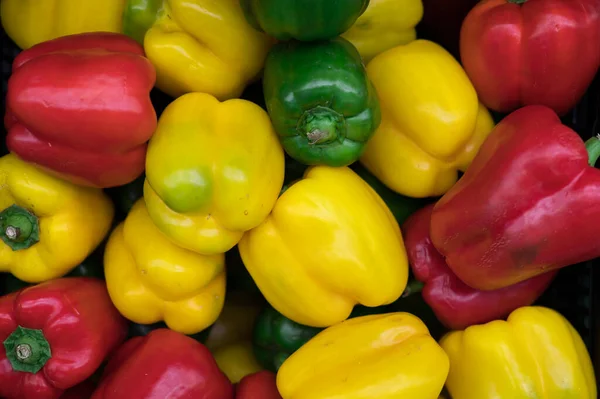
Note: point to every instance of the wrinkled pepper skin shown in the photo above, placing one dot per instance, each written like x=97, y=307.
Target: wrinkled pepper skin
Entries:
x=337, y=253
x=305, y=20
x=527, y=204
x=29, y=22
x=320, y=100
x=163, y=364
x=456, y=304
x=385, y=24
x=432, y=124
x=208, y=180
x=262, y=384
x=68, y=221
x=79, y=106
x=150, y=279
x=531, y=52
x=237, y=360
x=536, y=353
x=393, y=356
x=199, y=45
x=70, y=327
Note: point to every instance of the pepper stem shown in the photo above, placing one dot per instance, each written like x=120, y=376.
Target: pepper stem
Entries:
x=517, y=1
x=27, y=350
x=593, y=148
x=19, y=228
x=321, y=125
x=415, y=286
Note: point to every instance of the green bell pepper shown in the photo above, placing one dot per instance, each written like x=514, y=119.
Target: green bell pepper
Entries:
x=276, y=337
x=304, y=20
x=321, y=102
x=138, y=17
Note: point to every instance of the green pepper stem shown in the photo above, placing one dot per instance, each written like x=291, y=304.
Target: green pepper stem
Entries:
x=321, y=125
x=517, y=1
x=413, y=287
x=27, y=350
x=19, y=228
x=593, y=148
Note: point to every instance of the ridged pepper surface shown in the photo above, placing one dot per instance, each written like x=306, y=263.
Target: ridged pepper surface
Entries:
x=329, y=243
x=432, y=124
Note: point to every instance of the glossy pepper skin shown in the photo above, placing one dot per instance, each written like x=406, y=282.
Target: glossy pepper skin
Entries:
x=393, y=356
x=29, y=22
x=525, y=206
x=337, y=253
x=456, y=304
x=321, y=102
x=237, y=360
x=555, y=363
x=383, y=25
x=431, y=121
x=531, y=52
x=79, y=107
x=59, y=224
x=198, y=46
x=56, y=334
x=258, y=385
x=150, y=279
x=213, y=171
x=163, y=364
x=305, y=20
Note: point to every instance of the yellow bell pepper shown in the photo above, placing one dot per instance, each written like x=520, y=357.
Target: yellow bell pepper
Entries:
x=385, y=24
x=329, y=244
x=198, y=45
x=236, y=321
x=387, y=356
x=237, y=360
x=47, y=226
x=150, y=279
x=29, y=22
x=213, y=171
x=535, y=354
x=432, y=123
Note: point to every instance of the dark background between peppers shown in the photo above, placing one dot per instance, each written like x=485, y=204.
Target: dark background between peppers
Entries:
x=575, y=292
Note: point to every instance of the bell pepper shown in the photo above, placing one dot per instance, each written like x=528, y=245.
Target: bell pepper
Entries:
x=536, y=353
x=261, y=385
x=81, y=391
x=431, y=122
x=526, y=206
x=208, y=180
x=392, y=356
x=383, y=25
x=29, y=22
x=237, y=360
x=236, y=321
x=47, y=226
x=337, y=253
x=79, y=107
x=198, y=46
x=150, y=279
x=321, y=102
x=306, y=20
x=56, y=334
x=456, y=304
x=163, y=364
x=531, y=52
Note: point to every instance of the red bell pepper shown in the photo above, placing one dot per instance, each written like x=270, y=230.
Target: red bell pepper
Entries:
x=56, y=334
x=79, y=106
x=531, y=52
x=455, y=304
x=529, y=203
x=163, y=364
x=261, y=385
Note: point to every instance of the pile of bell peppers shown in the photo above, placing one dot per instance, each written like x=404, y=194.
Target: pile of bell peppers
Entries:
x=285, y=199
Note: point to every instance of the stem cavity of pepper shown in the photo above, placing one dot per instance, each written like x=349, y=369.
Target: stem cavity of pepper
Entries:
x=593, y=149
x=19, y=228
x=322, y=125
x=27, y=350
